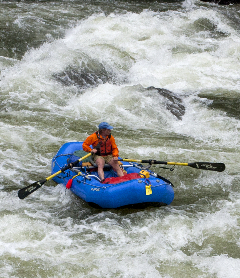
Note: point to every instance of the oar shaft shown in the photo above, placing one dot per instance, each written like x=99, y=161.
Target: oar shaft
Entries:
x=133, y=160
x=211, y=166
x=177, y=163
x=152, y=161
x=54, y=175
x=67, y=167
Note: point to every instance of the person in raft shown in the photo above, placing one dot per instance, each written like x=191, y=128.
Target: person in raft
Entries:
x=104, y=149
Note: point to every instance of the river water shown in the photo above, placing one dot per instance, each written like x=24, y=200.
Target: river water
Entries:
x=68, y=65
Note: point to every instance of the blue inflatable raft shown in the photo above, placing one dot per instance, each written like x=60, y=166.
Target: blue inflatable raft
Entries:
x=139, y=185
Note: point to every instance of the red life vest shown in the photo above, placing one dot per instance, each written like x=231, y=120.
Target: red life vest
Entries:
x=104, y=146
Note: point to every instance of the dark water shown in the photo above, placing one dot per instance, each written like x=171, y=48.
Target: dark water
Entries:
x=166, y=75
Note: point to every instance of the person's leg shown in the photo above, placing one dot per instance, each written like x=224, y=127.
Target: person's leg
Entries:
x=100, y=163
x=116, y=167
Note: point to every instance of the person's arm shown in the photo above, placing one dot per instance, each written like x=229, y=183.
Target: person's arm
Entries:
x=115, y=152
x=87, y=143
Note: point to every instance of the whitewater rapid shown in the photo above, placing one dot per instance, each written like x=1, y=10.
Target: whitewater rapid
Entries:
x=96, y=63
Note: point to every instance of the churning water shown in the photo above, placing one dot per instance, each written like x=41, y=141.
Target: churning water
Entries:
x=166, y=75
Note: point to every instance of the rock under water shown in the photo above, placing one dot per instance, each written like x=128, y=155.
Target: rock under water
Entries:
x=173, y=102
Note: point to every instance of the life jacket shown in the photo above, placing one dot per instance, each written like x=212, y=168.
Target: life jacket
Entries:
x=104, y=146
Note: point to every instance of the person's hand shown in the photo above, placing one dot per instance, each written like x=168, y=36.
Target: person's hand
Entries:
x=94, y=151
x=115, y=158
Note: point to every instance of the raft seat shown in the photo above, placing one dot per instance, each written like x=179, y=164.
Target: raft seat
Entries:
x=86, y=164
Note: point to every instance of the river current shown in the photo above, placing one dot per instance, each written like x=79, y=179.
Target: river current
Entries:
x=166, y=75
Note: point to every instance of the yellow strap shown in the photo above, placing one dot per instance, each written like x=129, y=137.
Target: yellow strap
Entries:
x=148, y=189
x=79, y=173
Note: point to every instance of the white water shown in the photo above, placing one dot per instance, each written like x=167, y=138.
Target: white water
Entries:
x=189, y=51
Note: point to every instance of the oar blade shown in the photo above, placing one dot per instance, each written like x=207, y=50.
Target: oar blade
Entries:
x=24, y=192
x=219, y=167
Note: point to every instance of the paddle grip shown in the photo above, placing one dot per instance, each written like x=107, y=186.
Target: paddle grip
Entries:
x=67, y=167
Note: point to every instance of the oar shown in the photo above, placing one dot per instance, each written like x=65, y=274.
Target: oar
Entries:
x=219, y=167
x=24, y=192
